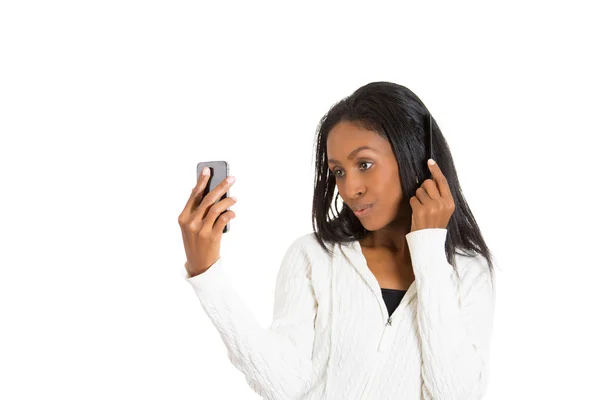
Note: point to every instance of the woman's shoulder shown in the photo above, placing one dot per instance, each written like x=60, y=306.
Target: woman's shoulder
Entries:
x=473, y=268
x=309, y=245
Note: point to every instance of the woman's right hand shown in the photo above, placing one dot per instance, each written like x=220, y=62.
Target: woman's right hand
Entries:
x=202, y=224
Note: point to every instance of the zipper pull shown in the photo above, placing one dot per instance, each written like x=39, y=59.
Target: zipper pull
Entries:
x=386, y=337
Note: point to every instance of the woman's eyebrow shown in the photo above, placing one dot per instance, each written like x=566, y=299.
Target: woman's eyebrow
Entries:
x=353, y=153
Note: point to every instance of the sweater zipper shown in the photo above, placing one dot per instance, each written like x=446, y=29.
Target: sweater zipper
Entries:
x=386, y=338
x=383, y=346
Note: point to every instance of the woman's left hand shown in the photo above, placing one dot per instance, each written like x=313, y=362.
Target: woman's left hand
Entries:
x=433, y=204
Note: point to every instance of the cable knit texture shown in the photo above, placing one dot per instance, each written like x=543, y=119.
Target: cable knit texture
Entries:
x=332, y=338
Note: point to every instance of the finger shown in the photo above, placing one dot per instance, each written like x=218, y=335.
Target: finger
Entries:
x=222, y=221
x=213, y=213
x=440, y=179
x=431, y=189
x=415, y=204
x=214, y=195
x=422, y=196
x=194, y=197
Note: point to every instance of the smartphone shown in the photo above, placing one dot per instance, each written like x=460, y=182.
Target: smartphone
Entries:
x=219, y=170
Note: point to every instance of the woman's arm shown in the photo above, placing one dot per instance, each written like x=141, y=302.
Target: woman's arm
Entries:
x=277, y=361
x=455, y=317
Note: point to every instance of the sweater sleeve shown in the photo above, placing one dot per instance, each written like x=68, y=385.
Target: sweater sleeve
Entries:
x=455, y=318
x=276, y=362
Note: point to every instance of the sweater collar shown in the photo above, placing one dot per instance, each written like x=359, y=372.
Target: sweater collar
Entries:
x=354, y=255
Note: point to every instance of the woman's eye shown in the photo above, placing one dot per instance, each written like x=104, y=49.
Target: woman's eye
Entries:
x=365, y=162
x=360, y=163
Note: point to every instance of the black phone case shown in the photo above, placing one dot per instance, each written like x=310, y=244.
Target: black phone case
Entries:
x=219, y=170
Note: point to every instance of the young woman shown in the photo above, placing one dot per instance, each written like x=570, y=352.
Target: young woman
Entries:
x=390, y=298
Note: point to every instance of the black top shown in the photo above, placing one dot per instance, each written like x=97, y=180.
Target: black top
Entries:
x=392, y=298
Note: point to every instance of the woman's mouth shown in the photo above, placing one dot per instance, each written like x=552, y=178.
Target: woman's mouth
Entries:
x=364, y=212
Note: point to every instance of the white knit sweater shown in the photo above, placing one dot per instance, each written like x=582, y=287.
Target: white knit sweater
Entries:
x=331, y=337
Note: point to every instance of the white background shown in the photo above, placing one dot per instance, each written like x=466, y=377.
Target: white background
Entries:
x=106, y=107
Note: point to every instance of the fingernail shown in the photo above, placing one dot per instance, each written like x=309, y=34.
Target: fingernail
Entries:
x=431, y=162
x=205, y=171
x=230, y=179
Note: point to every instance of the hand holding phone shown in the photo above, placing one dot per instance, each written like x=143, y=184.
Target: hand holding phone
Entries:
x=202, y=223
x=219, y=171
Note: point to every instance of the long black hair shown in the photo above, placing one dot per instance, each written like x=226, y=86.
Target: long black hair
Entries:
x=399, y=116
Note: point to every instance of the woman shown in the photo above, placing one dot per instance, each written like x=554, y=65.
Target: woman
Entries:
x=392, y=302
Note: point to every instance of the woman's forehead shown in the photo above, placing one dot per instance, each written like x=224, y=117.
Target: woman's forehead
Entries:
x=345, y=140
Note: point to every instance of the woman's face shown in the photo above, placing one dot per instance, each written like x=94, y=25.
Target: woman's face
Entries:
x=369, y=176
